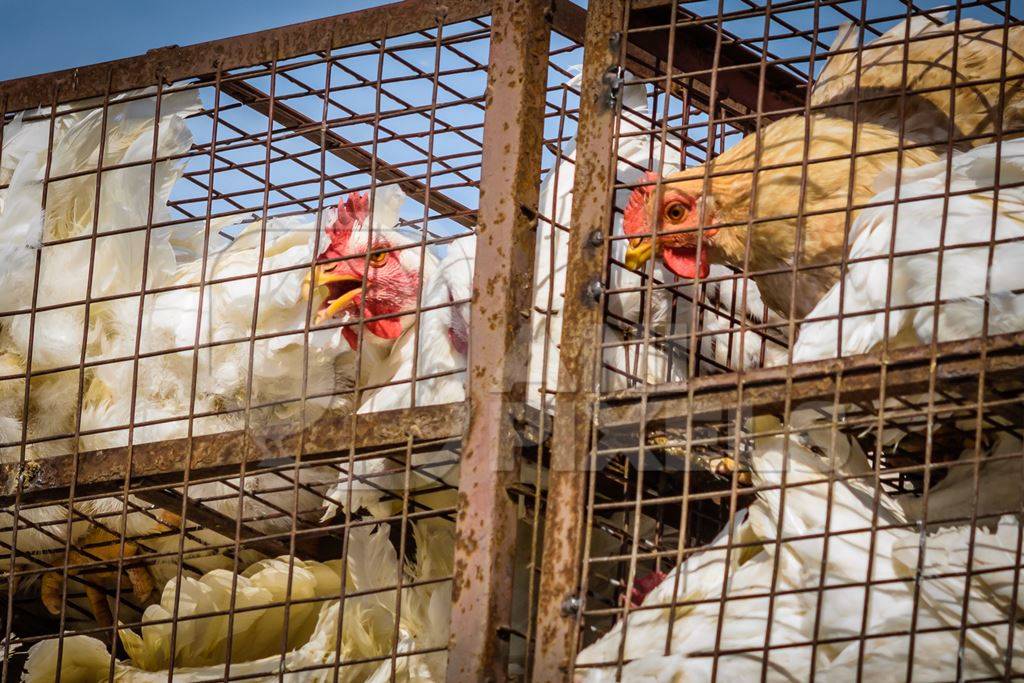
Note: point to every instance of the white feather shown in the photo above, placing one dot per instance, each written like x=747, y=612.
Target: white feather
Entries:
x=967, y=280
x=257, y=630
x=866, y=529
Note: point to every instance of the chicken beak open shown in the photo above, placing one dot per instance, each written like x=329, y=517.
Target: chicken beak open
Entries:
x=341, y=291
x=638, y=252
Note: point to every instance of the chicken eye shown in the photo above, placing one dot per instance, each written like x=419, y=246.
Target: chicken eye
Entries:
x=378, y=260
x=675, y=211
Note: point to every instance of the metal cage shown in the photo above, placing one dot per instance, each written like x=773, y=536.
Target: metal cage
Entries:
x=608, y=449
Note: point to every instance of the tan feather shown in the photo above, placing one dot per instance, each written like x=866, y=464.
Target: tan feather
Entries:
x=796, y=211
x=775, y=211
x=926, y=52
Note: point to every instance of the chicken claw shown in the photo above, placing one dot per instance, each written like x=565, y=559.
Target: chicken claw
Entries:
x=725, y=466
x=721, y=466
x=103, y=545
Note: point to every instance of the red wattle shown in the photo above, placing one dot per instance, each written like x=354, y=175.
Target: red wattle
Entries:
x=683, y=262
x=389, y=328
x=350, y=336
x=643, y=586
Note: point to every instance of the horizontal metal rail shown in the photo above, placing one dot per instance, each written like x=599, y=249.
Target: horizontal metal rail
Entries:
x=163, y=462
x=854, y=378
x=174, y=63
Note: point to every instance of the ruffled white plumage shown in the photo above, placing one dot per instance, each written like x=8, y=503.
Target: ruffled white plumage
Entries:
x=424, y=356
x=28, y=234
x=963, y=227
x=870, y=539
x=257, y=632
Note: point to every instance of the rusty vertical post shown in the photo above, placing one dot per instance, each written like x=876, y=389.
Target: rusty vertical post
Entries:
x=558, y=609
x=500, y=342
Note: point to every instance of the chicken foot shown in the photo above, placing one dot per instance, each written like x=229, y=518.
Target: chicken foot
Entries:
x=102, y=545
x=721, y=466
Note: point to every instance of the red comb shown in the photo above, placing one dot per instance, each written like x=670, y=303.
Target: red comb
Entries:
x=634, y=216
x=351, y=210
x=643, y=586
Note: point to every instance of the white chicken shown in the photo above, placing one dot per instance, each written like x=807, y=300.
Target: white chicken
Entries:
x=271, y=386
x=72, y=268
x=64, y=261
x=974, y=298
x=740, y=571
x=259, y=646
x=791, y=535
x=941, y=562
x=374, y=272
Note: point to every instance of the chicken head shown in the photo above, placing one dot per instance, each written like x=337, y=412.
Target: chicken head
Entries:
x=365, y=272
x=683, y=241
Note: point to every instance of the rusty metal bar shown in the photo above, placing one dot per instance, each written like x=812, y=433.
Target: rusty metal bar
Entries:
x=855, y=378
x=647, y=53
x=500, y=344
x=207, y=518
x=644, y=53
x=580, y=343
x=175, y=63
x=737, y=67
x=909, y=371
x=163, y=461
x=348, y=152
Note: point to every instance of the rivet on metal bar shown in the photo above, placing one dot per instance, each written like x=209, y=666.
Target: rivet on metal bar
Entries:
x=595, y=289
x=613, y=80
x=571, y=606
x=596, y=238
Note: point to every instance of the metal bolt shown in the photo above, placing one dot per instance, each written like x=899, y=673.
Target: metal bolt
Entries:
x=570, y=606
x=528, y=211
x=613, y=80
x=596, y=238
x=595, y=289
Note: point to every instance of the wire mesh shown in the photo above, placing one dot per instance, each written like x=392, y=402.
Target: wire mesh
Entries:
x=795, y=189
x=206, y=473
x=241, y=425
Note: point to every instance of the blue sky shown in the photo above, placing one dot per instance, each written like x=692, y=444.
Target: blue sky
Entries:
x=46, y=35
x=38, y=36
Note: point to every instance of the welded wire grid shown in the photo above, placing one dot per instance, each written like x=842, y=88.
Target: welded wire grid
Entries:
x=273, y=146
x=290, y=138
x=669, y=468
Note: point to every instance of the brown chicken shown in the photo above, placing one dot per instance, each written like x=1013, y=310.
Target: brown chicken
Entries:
x=744, y=208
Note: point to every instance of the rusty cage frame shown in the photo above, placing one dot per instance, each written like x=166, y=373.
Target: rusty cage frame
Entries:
x=656, y=42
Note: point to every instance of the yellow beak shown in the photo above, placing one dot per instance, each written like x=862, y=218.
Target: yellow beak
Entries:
x=638, y=253
x=324, y=279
